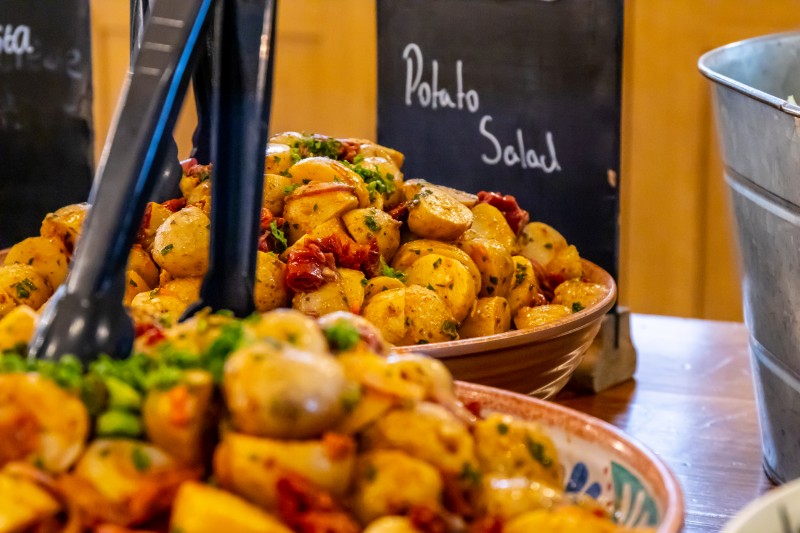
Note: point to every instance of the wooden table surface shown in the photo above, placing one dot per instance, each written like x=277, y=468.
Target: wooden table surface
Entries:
x=692, y=403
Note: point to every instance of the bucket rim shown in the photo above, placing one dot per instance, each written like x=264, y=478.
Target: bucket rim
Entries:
x=703, y=64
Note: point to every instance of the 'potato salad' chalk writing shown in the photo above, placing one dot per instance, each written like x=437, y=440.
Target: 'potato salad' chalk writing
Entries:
x=429, y=95
x=15, y=40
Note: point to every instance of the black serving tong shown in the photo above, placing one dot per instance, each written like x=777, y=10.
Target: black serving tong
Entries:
x=241, y=74
x=86, y=317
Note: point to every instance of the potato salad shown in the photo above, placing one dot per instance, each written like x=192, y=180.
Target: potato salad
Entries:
x=275, y=423
x=341, y=230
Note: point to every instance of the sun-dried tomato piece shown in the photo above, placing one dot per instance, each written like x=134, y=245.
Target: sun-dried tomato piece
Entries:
x=307, y=508
x=308, y=268
x=513, y=213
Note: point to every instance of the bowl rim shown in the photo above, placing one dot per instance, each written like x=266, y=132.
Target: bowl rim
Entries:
x=672, y=520
x=753, y=508
x=519, y=337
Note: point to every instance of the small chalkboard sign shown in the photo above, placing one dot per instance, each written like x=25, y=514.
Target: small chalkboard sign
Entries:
x=46, y=152
x=516, y=96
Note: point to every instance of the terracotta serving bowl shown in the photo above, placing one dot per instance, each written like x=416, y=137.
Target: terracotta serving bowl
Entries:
x=536, y=361
x=634, y=485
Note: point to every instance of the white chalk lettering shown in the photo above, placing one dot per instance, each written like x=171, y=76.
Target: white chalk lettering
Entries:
x=15, y=40
x=519, y=154
x=429, y=94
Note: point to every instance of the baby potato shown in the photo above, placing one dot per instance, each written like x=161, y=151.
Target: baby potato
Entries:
x=364, y=225
x=327, y=299
x=24, y=504
x=352, y=288
x=16, y=328
x=391, y=482
x=495, y=264
x=278, y=158
x=392, y=524
x=566, y=264
x=427, y=317
x=578, y=295
x=200, y=197
x=507, y=497
x=186, y=290
x=390, y=173
x=428, y=432
x=371, y=149
x=270, y=289
x=540, y=242
x=164, y=309
x=24, y=285
x=178, y=419
x=387, y=310
x=491, y=315
x=379, y=284
x=433, y=214
x=283, y=392
x=533, y=317
x=464, y=197
x=324, y=170
x=123, y=481
x=140, y=262
x=200, y=508
x=446, y=277
x=291, y=327
x=276, y=189
x=65, y=224
x=411, y=251
x=330, y=227
x=489, y=223
x=252, y=466
x=517, y=448
x=568, y=519
x=134, y=284
x=181, y=243
x=154, y=215
x=47, y=255
x=525, y=287
x=311, y=205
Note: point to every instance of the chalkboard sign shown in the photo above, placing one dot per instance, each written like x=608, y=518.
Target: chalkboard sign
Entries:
x=516, y=96
x=46, y=158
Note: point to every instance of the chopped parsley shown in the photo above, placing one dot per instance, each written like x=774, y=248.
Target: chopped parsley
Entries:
x=502, y=428
x=522, y=273
x=140, y=459
x=370, y=222
x=576, y=307
x=437, y=263
x=470, y=474
x=351, y=397
x=370, y=472
x=430, y=287
x=342, y=335
x=377, y=183
x=536, y=449
x=289, y=189
x=548, y=245
x=280, y=237
x=132, y=283
x=167, y=249
x=493, y=280
x=388, y=271
x=450, y=328
x=24, y=288
x=318, y=146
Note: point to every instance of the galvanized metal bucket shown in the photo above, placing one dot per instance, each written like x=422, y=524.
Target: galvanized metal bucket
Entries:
x=759, y=131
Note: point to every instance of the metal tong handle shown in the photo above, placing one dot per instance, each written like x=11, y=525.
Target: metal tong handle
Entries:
x=85, y=316
x=240, y=104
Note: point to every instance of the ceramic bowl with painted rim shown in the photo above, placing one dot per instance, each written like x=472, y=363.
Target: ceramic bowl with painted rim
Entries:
x=599, y=460
x=777, y=511
x=538, y=361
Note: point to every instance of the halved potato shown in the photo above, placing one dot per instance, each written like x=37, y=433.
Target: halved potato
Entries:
x=489, y=223
x=154, y=215
x=185, y=289
x=364, y=225
x=532, y=317
x=434, y=214
x=278, y=158
x=578, y=295
x=276, y=189
x=464, y=197
x=371, y=149
x=16, y=328
x=490, y=316
x=495, y=264
x=142, y=263
x=270, y=289
x=47, y=255
x=311, y=205
x=413, y=250
x=24, y=285
x=524, y=286
x=65, y=224
x=427, y=317
x=134, y=284
x=566, y=264
x=387, y=311
x=540, y=242
x=446, y=277
x=379, y=284
x=390, y=173
x=325, y=170
x=345, y=293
